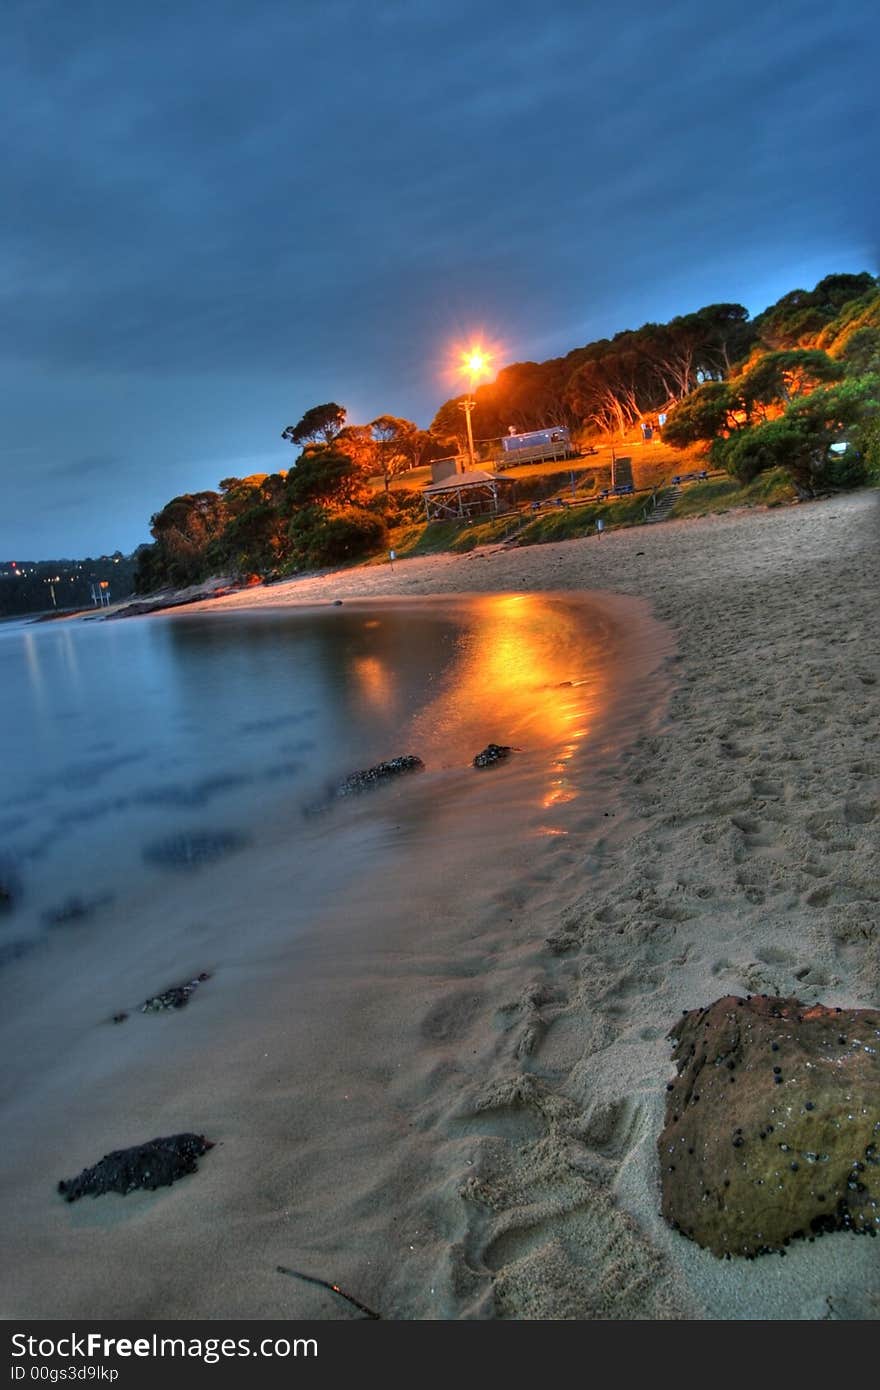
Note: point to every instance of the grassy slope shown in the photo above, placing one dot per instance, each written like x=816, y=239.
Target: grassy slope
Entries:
x=771, y=489
x=697, y=499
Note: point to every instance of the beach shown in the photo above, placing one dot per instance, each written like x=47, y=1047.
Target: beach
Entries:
x=447, y=1101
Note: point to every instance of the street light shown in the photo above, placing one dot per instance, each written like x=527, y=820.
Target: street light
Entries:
x=474, y=362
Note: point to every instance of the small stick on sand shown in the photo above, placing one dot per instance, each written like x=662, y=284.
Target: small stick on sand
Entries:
x=334, y=1288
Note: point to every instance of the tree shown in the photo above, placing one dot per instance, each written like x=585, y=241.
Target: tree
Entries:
x=319, y=537
x=254, y=540
x=695, y=347
x=778, y=377
x=749, y=452
x=323, y=476
x=801, y=439
x=710, y=411
x=392, y=437
x=798, y=317
x=183, y=530
x=322, y=422
x=612, y=391
x=448, y=423
x=420, y=447
x=358, y=442
x=861, y=353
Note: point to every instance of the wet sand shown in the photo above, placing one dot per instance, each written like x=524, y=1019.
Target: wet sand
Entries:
x=446, y=1098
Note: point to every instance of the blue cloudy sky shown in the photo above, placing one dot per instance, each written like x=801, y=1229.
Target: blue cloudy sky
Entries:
x=218, y=214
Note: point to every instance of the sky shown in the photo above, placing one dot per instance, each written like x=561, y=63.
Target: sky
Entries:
x=217, y=215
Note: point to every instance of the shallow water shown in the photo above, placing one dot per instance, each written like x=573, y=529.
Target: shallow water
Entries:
x=331, y=938
x=131, y=749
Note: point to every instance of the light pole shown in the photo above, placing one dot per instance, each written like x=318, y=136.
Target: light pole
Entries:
x=467, y=406
x=474, y=362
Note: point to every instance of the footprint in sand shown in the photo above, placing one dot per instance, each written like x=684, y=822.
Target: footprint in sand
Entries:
x=452, y=1017
x=528, y=1015
x=763, y=786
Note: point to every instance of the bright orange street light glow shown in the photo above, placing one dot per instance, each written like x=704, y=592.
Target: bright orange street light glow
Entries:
x=475, y=361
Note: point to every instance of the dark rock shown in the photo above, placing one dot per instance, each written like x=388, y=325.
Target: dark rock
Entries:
x=492, y=753
x=185, y=852
x=158, y=1163
x=371, y=776
x=364, y=781
x=175, y=997
x=794, y=1149
x=6, y=897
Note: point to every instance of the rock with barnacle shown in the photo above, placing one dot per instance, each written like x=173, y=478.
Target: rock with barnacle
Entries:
x=158, y=1163
x=772, y=1124
x=491, y=754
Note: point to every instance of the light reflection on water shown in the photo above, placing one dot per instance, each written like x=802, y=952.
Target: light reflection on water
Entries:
x=529, y=671
x=117, y=733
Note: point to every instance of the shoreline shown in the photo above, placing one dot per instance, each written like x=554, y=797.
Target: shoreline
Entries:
x=775, y=691
x=743, y=862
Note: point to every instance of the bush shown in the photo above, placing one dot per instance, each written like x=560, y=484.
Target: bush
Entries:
x=331, y=538
x=399, y=506
x=845, y=470
x=867, y=441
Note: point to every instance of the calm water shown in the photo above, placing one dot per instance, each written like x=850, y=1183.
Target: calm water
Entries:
x=338, y=945
x=129, y=745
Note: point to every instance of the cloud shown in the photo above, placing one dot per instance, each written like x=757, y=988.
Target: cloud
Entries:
x=283, y=203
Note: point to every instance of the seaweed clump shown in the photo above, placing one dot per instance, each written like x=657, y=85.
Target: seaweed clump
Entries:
x=158, y=1163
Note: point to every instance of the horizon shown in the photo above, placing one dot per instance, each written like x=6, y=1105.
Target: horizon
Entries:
x=198, y=258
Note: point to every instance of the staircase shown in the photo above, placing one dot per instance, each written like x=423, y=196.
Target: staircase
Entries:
x=662, y=508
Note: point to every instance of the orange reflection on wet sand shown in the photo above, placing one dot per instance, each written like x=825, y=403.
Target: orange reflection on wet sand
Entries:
x=528, y=672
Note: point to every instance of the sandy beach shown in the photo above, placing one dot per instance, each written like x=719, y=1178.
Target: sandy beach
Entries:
x=451, y=1110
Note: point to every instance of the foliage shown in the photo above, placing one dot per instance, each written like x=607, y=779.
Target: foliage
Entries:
x=861, y=352
x=325, y=476
x=708, y=411
x=253, y=541
x=800, y=440
x=393, y=442
x=183, y=530
x=609, y=384
x=763, y=394
x=777, y=377
x=799, y=316
x=866, y=438
x=322, y=422
x=319, y=537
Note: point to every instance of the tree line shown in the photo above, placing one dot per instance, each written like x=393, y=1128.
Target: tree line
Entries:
x=806, y=398
x=774, y=390
x=323, y=510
